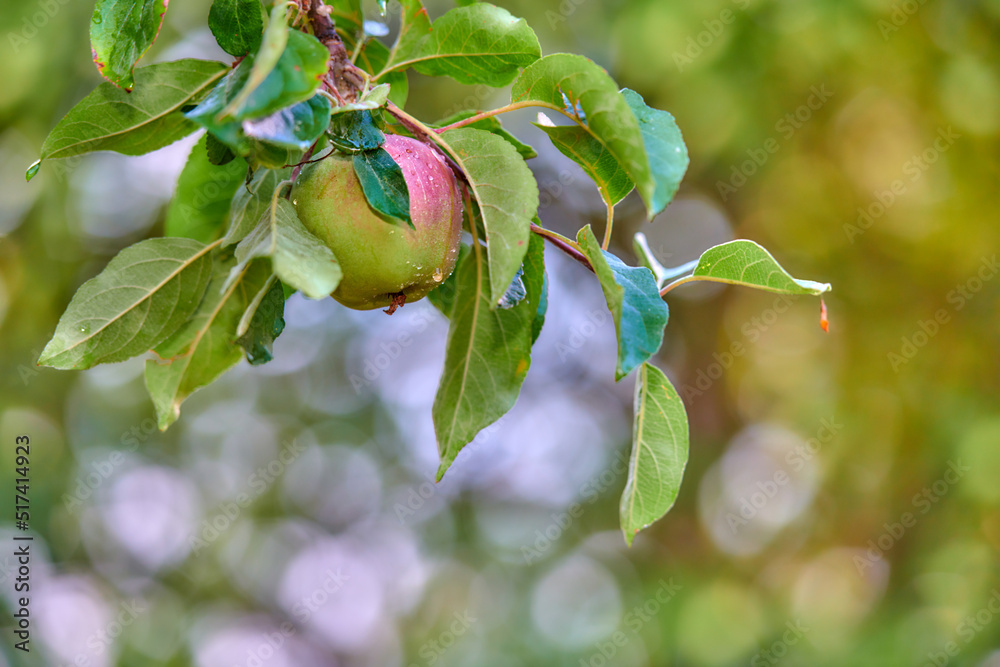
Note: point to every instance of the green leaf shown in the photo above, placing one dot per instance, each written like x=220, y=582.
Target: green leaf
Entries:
x=295, y=127
x=204, y=347
x=299, y=259
x=237, y=25
x=442, y=297
x=143, y=295
x=218, y=153
x=355, y=130
x=491, y=124
x=488, y=353
x=272, y=46
x=262, y=322
x=109, y=119
x=414, y=26
x=204, y=191
x=633, y=298
x=383, y=183
x=250, y=203
x=294, y=79
x=659, y=452
x=668, y=155
x=478, y=44
x=583, y=91
x=579, y=145
x=746, y=263
x=121, y=31
x=507, y=195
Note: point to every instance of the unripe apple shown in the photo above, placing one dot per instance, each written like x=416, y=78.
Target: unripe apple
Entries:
x=382, y=258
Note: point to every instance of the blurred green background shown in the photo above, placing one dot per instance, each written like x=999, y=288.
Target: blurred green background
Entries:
x=842, y=502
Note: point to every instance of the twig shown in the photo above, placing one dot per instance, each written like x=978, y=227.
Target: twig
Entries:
x=563, y=244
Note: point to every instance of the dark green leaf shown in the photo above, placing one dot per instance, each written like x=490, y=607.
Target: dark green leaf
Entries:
x=251, y=202
x=294, y=79
x=579, y=145
x=141, y=297
x=204, y=191
x=383, y=184
x=543, y=307
x=576, y=86
x=262, y=322
x=295, y=127
x=299, y=259
x=205, y=346
x=121, y=31
x=491, y=124
x=746, y=263
x=355, y=130
x=659, y=452
x=633, y=298
x=668, y=155
x=478, y=44
x=109, y=119
x=237, y=25
x=507, y=195
x=272, y=46
x=488, y=353
x=218, y=153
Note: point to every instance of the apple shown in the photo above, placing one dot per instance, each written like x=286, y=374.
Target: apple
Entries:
x=384, y=261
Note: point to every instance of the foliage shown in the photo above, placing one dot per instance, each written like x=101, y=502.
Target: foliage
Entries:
x=212, y=291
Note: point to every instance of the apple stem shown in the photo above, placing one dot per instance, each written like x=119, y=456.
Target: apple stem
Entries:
x=398, y=301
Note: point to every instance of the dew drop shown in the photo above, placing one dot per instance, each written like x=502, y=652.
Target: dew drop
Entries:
x=438, y=275
x=295, y=202
x=84, y=328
